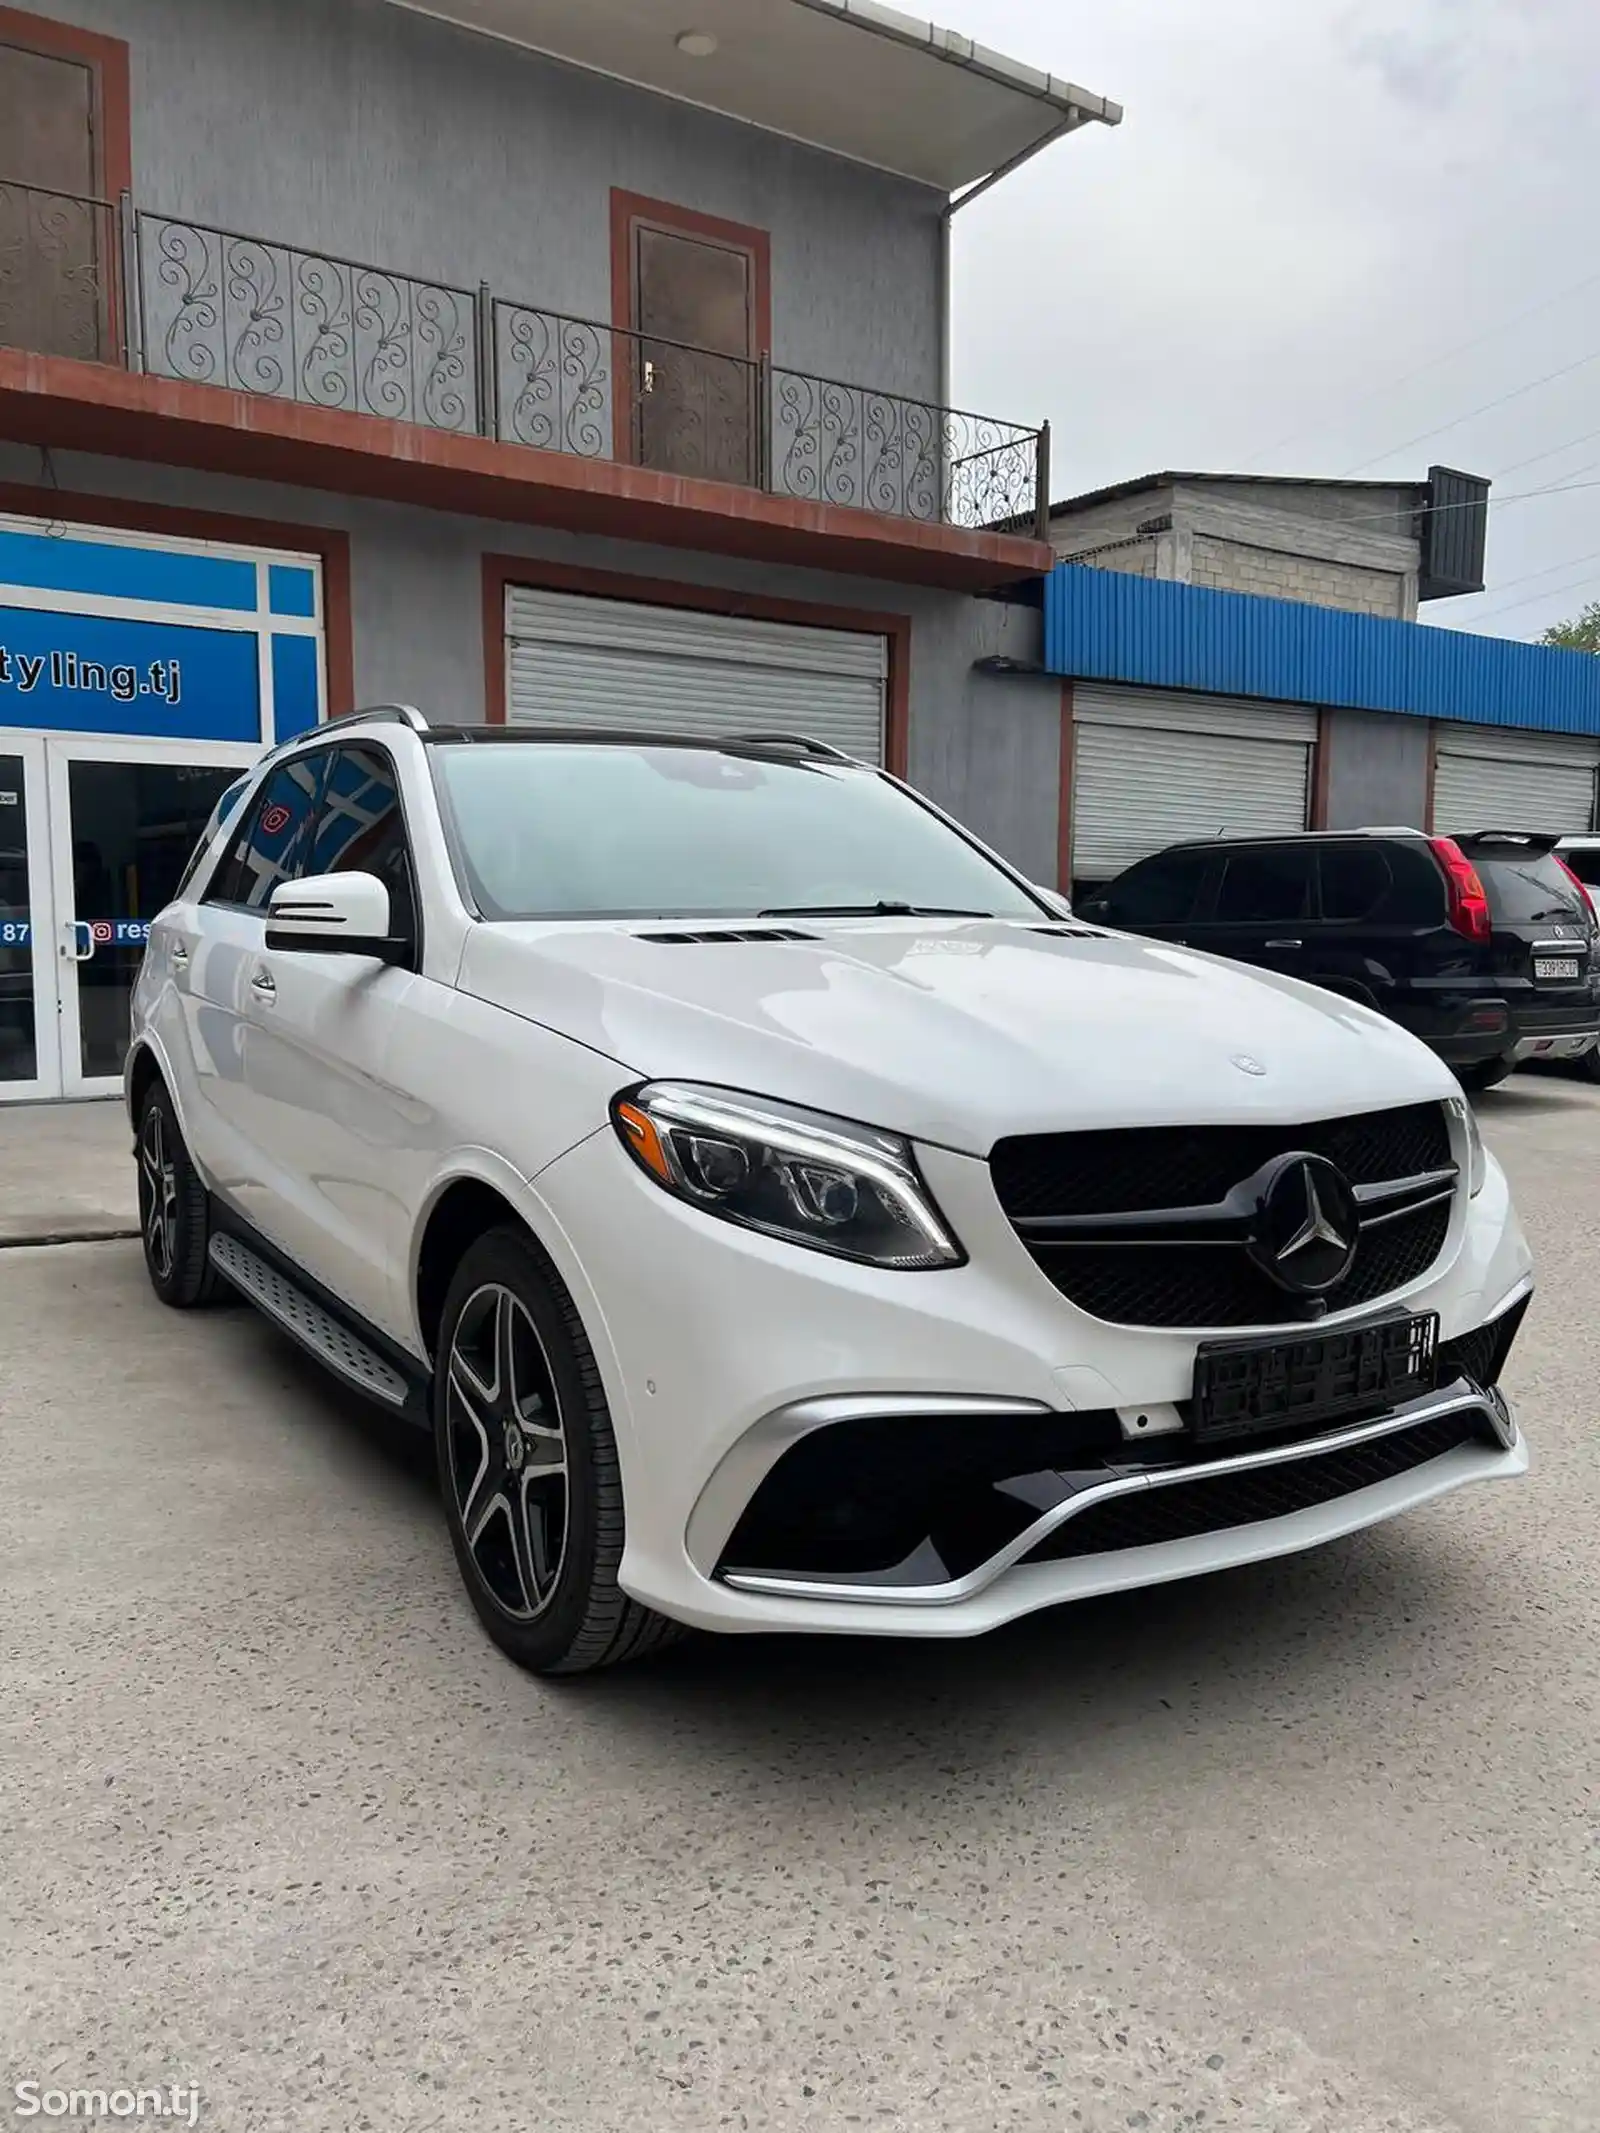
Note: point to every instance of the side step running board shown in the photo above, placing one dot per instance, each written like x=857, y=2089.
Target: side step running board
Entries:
x=332, y=1343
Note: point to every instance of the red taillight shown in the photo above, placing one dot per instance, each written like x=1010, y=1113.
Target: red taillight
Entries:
x=1469, y=908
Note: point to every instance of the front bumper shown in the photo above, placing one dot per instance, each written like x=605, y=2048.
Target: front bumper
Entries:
x=720, y=1349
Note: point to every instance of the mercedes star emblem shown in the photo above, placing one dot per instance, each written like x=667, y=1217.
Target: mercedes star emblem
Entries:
x=1307, y=1224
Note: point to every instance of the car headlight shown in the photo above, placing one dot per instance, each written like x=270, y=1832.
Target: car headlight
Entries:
x=1477, y=1161
x=800, y=1175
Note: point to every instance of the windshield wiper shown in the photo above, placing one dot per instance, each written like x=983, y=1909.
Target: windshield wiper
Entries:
x=884, y=908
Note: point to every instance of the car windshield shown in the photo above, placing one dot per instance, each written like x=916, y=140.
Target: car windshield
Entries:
x=579, y=831
x=1527, y=891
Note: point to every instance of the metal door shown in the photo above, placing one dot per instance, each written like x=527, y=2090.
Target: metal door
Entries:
x=30, y=1060
x=124, y=817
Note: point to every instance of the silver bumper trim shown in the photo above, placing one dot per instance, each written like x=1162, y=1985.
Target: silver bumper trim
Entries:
x=1564, y=1044
x=1461, y=1397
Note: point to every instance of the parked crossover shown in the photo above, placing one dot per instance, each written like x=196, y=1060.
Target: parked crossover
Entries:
x=782, y=1217
x=1484, y=945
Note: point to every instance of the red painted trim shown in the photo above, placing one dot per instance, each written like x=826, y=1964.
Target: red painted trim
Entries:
x=1430, y=776
x=628, y=210
x=329, y=544
x=93, y=407
x=499, y=571
x=107, y=60
x=1321, y=770
x=1069, y=751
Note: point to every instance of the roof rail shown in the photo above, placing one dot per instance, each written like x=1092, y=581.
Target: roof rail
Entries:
x=394, y=714
x=802, y=741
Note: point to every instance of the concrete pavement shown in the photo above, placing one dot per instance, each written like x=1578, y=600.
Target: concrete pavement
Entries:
x=1306, y=1848
x=66, y=1171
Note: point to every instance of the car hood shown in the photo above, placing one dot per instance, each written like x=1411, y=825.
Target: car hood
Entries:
x=956, y=1031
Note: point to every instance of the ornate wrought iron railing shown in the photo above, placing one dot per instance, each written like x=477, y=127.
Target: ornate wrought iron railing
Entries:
x=879, y=451
x=605, y=392
x=58, y=273
x=219, y=307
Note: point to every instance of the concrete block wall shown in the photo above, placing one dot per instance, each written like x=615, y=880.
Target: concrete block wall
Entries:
x=1283, y=574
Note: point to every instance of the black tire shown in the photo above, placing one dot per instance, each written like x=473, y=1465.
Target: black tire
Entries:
x=174, y=1211
x=1487, y=1074
x=1588, y=1065
x=541, y=1563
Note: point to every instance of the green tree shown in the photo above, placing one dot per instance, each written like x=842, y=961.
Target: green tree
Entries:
x=1581, y=634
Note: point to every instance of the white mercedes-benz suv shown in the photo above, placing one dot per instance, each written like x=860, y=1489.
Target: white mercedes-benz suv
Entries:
x=785, y=1217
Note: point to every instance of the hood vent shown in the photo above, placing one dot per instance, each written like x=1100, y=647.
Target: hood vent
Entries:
x=1067, y=931
x=724, y=933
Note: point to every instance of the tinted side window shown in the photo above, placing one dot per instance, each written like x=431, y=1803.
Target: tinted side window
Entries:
x=1355, y=881
x=360, y=830
x=1265, y=887
x=270, y=845
x=1417, y=892
x=1585, y=864
x=211, y=836
x=1157, y=892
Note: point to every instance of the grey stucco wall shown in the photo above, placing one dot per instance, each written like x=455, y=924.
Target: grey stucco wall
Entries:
x=985, y=747
x=1377, y=770
x=359, y=128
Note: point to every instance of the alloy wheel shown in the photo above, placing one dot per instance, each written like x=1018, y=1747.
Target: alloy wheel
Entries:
x=507, y=1451
x=158, y=1195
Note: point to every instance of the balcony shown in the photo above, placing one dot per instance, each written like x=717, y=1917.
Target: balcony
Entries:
x=478, y=370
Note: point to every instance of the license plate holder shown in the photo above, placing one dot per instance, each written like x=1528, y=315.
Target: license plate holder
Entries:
x=1557, y=966
x=1249, y=1388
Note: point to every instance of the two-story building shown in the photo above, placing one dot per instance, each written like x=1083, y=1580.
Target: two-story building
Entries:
x=524, y=359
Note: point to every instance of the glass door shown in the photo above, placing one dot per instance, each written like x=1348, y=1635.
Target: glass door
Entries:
x=124, y=819
x=29, y=1062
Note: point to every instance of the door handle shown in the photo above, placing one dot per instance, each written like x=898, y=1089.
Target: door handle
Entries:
x=1283, y=944
x=264, y=985
x=77, y=940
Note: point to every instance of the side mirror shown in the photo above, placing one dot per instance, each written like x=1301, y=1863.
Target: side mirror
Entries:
x=334, y=914
x=1061, y=905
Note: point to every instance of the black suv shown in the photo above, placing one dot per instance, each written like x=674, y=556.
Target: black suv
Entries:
x=1484, y=946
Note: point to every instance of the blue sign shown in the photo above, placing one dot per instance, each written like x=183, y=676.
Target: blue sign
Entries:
x=15, y=932
x=98, y=674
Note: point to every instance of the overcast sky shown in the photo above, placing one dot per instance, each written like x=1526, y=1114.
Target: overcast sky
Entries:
x=1306, y=201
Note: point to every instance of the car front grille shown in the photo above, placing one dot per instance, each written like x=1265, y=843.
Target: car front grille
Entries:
x=1183, y=1510
x=1150, y=1282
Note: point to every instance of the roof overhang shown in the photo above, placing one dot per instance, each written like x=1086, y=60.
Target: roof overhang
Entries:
x=849, y=76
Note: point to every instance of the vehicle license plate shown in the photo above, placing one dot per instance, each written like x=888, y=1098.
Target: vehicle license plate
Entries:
x=1555, y=966
x=1245, y=1388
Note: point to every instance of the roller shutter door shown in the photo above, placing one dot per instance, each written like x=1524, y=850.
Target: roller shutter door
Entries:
x=1152, y=767
x=572, y=660
x=1499, y=777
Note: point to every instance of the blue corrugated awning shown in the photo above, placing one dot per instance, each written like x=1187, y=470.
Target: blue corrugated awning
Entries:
x=1102, y=625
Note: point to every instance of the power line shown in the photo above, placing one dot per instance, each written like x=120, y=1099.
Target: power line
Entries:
x=1443, y=356
x=1554, y=452
x=1568, y=562
x=1551, y=592
x=1493, y=503
x=1517, y=392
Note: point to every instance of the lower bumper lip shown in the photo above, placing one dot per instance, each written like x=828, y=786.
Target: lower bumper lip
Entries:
x=1460, y=1398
